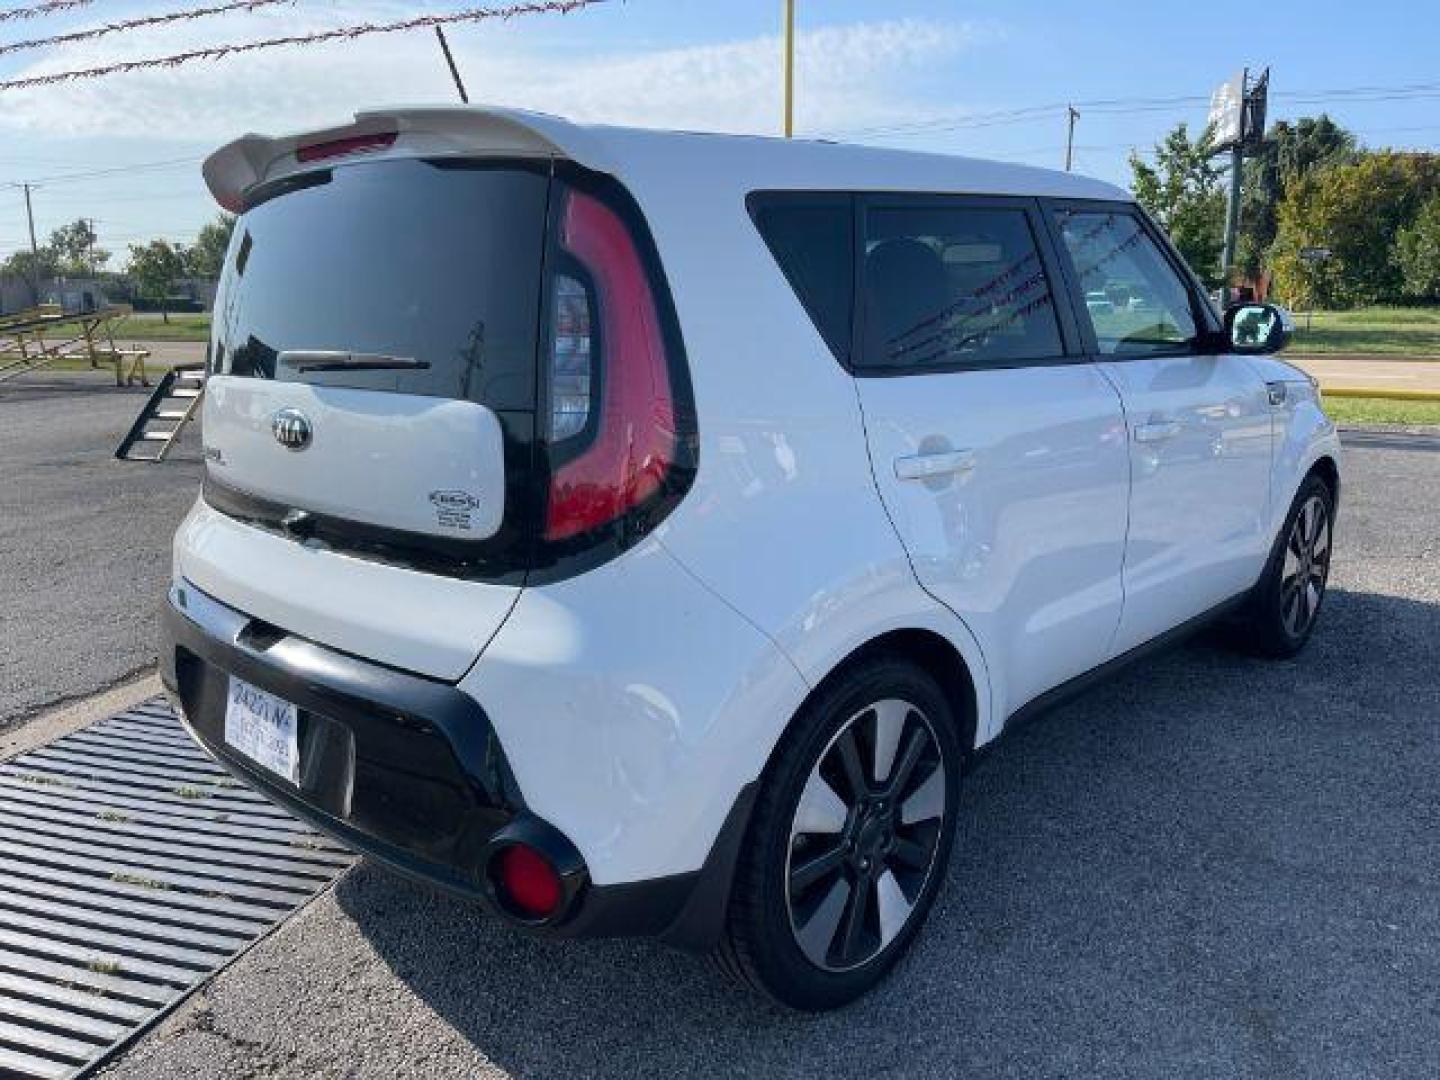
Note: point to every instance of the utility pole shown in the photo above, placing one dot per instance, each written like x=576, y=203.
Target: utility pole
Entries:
x=789, y=68
x=1074, y=114
x=34, y=249
x=30, y=217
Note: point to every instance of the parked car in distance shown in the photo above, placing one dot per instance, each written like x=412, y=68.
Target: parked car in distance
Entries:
x=636, y=531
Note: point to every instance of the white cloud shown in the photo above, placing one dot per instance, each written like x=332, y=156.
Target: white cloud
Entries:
x=848, y=76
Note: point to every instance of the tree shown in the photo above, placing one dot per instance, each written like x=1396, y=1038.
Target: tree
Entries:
x=156, y=267
x=31, y=268
x=1417, y=253
x=1356, y=210
x=74, y=249
x=206, y=257
x=1183, y=191
x=1289, y=153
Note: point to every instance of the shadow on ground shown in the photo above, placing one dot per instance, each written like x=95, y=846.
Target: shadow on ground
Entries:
x=1208, y=866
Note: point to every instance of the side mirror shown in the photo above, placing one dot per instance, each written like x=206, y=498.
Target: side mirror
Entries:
x=1257, y=329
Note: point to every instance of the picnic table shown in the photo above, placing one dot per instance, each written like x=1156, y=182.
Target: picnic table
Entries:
x=39, y=336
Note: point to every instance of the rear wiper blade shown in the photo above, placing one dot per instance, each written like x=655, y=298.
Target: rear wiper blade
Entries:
x=304, y=360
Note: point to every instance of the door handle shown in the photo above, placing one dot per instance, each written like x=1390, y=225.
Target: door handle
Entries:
x=924, y=466
x=1157, y=431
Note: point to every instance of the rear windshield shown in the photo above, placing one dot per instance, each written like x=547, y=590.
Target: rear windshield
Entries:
x=419, y=277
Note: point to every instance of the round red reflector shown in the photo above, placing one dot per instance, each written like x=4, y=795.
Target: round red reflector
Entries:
x=528, y=883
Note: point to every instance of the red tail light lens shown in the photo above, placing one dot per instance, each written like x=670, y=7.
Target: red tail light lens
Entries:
x=622, y=390
x=353, y=144
x=528, y=883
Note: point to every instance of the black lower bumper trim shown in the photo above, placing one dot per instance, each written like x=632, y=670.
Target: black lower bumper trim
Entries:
x=409, y=770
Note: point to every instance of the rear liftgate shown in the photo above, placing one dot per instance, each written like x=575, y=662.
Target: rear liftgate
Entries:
x=131, y=868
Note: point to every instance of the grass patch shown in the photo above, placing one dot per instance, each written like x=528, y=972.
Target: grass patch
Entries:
x=114, y=815
x=189, y=791
x=1371, y=331
x=104, y=966
x=138, y=880
x=44, y=781
x=1348, y=410
x=147, y=327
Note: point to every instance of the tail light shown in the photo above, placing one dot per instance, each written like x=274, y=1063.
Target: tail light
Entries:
x=351, y=144
x=528, y=885
x=614, y=430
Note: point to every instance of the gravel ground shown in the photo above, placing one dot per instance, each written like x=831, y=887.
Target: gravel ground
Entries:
x=84, y=539
x=1209, y=866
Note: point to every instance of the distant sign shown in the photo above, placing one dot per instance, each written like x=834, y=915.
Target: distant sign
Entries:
x=1257, y=95
x=1227, y=112
x=1315, y=254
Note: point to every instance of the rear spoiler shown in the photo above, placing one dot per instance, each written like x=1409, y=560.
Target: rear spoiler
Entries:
x=237, y=167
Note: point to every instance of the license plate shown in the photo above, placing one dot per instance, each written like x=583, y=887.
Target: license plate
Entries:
x=263, y=728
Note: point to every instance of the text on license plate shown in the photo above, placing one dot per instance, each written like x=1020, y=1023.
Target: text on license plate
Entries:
x=263, y=728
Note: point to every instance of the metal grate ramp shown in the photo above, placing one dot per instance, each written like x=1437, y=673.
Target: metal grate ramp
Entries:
x=132, y=867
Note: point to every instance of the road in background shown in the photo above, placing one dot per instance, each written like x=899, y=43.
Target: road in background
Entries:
x=1372, y=372
x=84, y=539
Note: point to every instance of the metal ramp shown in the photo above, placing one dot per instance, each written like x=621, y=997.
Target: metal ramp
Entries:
x=172, y=406
x=131, y=869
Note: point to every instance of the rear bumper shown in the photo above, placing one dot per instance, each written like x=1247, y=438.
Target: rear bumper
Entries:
x=409, y=770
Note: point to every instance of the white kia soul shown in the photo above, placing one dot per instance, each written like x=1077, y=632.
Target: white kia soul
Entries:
x=637, y=531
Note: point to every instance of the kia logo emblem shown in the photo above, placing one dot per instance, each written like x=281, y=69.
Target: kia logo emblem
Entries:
x=291, y=429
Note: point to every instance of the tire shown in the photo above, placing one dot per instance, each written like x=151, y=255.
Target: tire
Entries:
x=820, y=911
x=1286, y=603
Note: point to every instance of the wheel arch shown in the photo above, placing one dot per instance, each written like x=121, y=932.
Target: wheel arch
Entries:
x=934, y=654
x=1328, y=469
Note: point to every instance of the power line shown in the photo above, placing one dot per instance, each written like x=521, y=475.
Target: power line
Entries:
x=1121, y=106
x=346, y=33
x=39, y=11
x=136, y=24
x=114, y=170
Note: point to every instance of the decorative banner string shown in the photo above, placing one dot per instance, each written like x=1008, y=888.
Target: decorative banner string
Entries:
x=39, y=11
x=137, y=23
x=344, y=33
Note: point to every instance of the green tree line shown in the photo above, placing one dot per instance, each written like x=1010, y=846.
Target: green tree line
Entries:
x=1309, y=185
x=153, y=268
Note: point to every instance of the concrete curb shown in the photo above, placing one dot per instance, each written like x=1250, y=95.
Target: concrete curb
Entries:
x=1388, y=393
x=50, y=725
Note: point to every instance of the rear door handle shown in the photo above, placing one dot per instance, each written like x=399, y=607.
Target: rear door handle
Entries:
x=1157, y=431
x=924, y=466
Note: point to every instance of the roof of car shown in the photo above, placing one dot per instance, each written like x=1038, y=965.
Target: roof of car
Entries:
x=646, y=156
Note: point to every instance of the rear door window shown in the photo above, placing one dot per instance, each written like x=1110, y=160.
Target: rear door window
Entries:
x=419, y=277
x=954, y=286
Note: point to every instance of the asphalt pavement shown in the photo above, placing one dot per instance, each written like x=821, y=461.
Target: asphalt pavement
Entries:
x=1207, y=866
x=1211, y=866
x=84, y=539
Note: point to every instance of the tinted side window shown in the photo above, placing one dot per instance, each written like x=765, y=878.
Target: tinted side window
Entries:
x=1136, y=301
x=955, y=286
x=811, y=238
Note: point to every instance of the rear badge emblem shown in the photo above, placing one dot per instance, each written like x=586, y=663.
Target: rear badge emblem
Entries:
x=291, y=429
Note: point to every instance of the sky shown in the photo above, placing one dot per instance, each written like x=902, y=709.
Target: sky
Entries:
x=923, y=74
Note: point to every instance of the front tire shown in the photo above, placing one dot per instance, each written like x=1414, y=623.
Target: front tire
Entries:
x=1287, y=600
x=849, y=839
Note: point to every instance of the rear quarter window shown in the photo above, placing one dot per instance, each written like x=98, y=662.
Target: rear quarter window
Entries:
x=811, y=238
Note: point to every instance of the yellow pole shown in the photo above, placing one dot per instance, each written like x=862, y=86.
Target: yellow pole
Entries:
x=789, y=68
